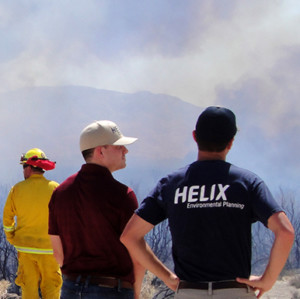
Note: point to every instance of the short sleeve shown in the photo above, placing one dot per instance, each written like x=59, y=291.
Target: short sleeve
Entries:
x=152, y=209
x=52, y=228
x=264, y=204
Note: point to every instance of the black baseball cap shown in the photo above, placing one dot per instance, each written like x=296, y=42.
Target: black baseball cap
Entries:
x=216, y=124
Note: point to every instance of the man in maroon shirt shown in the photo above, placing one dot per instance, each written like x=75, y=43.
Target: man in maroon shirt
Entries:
x=87, y=214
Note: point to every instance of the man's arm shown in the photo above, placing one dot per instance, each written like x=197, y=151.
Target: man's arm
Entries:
x=57, y=249
x=283, y=230
x=139, y=273
x=133, y=239
x=9, y=218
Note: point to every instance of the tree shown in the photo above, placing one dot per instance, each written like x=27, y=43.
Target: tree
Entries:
x=288, y=202
x=262, y=238
x=159, y=239
x=8, y=260
x=8, y=254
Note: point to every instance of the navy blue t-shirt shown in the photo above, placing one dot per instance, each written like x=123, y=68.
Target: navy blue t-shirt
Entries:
x=210, y=206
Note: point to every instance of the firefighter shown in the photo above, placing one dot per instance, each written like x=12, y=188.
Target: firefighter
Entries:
x=25, y=223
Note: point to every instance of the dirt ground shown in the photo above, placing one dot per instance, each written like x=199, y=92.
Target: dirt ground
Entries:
x=285, y=288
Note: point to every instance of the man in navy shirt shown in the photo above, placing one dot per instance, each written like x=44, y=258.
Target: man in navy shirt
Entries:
x=211, y=205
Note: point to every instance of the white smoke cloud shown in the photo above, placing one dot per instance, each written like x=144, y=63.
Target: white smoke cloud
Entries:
x=244, y=55
x=186, y=49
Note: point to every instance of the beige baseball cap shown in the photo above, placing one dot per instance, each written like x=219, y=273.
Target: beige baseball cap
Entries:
x=102, y=132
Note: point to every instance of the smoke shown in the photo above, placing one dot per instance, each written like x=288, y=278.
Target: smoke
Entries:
x=186, y=49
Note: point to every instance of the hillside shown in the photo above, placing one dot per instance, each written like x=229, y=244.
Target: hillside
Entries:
x=52, y=118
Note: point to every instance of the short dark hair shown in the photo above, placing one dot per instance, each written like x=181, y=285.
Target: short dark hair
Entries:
x=215, y=128
x=35, y=169
x=209, y=146
x=87, y=154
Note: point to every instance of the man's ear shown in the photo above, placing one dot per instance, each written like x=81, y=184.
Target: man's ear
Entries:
x=230, y=143
x=194, y=135
x=98, y=151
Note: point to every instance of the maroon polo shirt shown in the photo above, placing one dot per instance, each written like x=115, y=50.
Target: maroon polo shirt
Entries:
x=89, y=211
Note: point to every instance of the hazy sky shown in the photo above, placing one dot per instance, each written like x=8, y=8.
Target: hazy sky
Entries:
x=189, y=49
x=242, y=54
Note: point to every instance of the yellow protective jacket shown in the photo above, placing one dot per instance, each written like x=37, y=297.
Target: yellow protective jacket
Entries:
x=25, y=215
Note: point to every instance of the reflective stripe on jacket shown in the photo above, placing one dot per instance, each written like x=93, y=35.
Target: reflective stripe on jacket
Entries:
x=34, y=250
